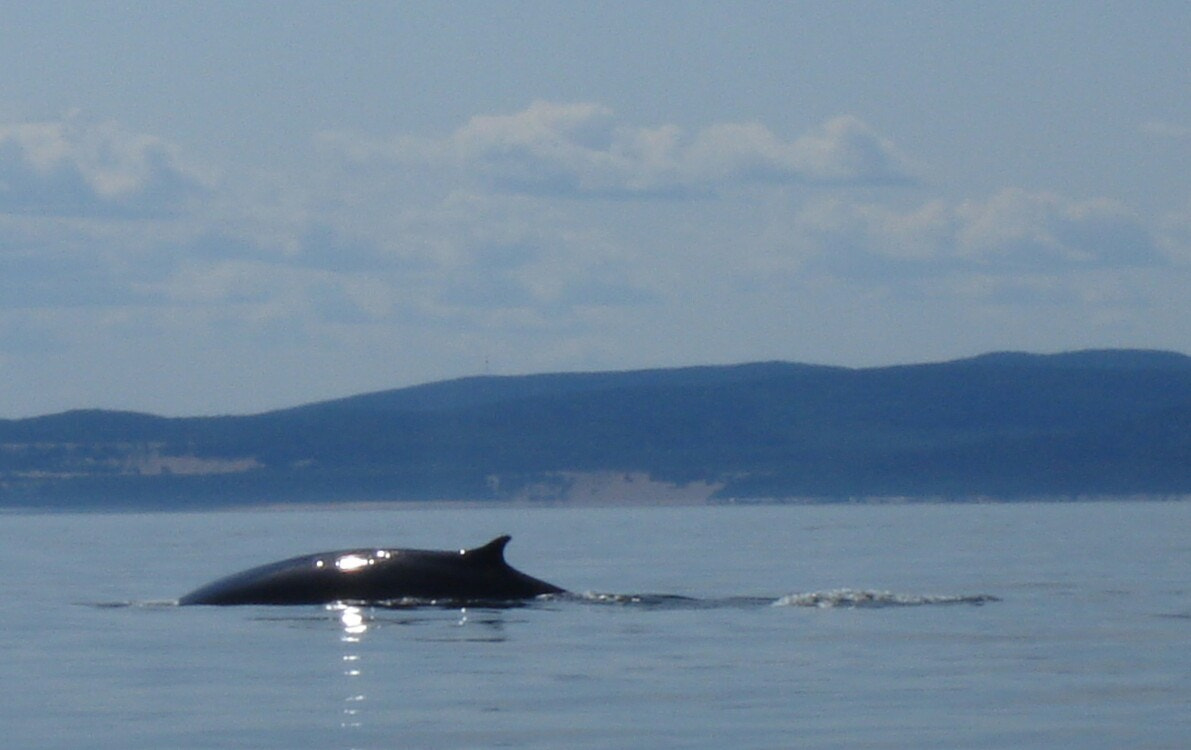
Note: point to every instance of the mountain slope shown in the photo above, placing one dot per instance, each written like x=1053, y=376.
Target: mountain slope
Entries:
x=1005, y=424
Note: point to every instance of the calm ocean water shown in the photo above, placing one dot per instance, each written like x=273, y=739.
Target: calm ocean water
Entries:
x=918, y=626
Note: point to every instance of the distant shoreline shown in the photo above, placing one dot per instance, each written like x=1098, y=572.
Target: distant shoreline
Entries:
x=998, y=427
x=471, y=504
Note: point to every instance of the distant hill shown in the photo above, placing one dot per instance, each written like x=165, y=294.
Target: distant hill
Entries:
x=1002, y=425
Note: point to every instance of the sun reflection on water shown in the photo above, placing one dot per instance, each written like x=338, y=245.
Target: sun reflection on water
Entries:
x=355, y=625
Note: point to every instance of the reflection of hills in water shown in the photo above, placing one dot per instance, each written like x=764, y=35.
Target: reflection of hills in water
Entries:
x=1005, y=425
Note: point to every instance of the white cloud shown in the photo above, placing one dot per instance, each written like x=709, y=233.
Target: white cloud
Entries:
x=843, y=150
x=1013, y=231
x=1176, y=234
x=580, y=149
x=74, y=167
x=1016, y=229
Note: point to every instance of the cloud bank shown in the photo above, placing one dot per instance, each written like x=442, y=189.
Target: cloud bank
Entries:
x=582, y=150
x=408, y=259
x=77, y=168
x=1012, y=232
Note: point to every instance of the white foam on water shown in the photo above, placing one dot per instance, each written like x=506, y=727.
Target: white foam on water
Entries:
x=866, y=598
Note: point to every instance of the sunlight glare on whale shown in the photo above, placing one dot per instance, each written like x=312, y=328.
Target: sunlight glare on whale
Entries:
x=349, y=563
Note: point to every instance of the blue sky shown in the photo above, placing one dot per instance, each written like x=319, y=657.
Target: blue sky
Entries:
x=228, y=207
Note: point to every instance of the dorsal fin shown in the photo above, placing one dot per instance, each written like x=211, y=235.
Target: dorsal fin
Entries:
x=492, y=553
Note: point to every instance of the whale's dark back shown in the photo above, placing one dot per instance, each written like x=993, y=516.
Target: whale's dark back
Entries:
x=378, y=575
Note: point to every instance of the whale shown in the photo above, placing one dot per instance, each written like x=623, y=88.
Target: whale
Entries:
x=379, y=576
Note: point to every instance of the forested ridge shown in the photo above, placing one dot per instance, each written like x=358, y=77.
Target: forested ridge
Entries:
x=1004, y=426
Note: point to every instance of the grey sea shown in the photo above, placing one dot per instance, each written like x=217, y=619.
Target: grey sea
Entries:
x=861, y=626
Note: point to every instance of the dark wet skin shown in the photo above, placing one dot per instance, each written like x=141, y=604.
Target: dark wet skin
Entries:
x=377, y=575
